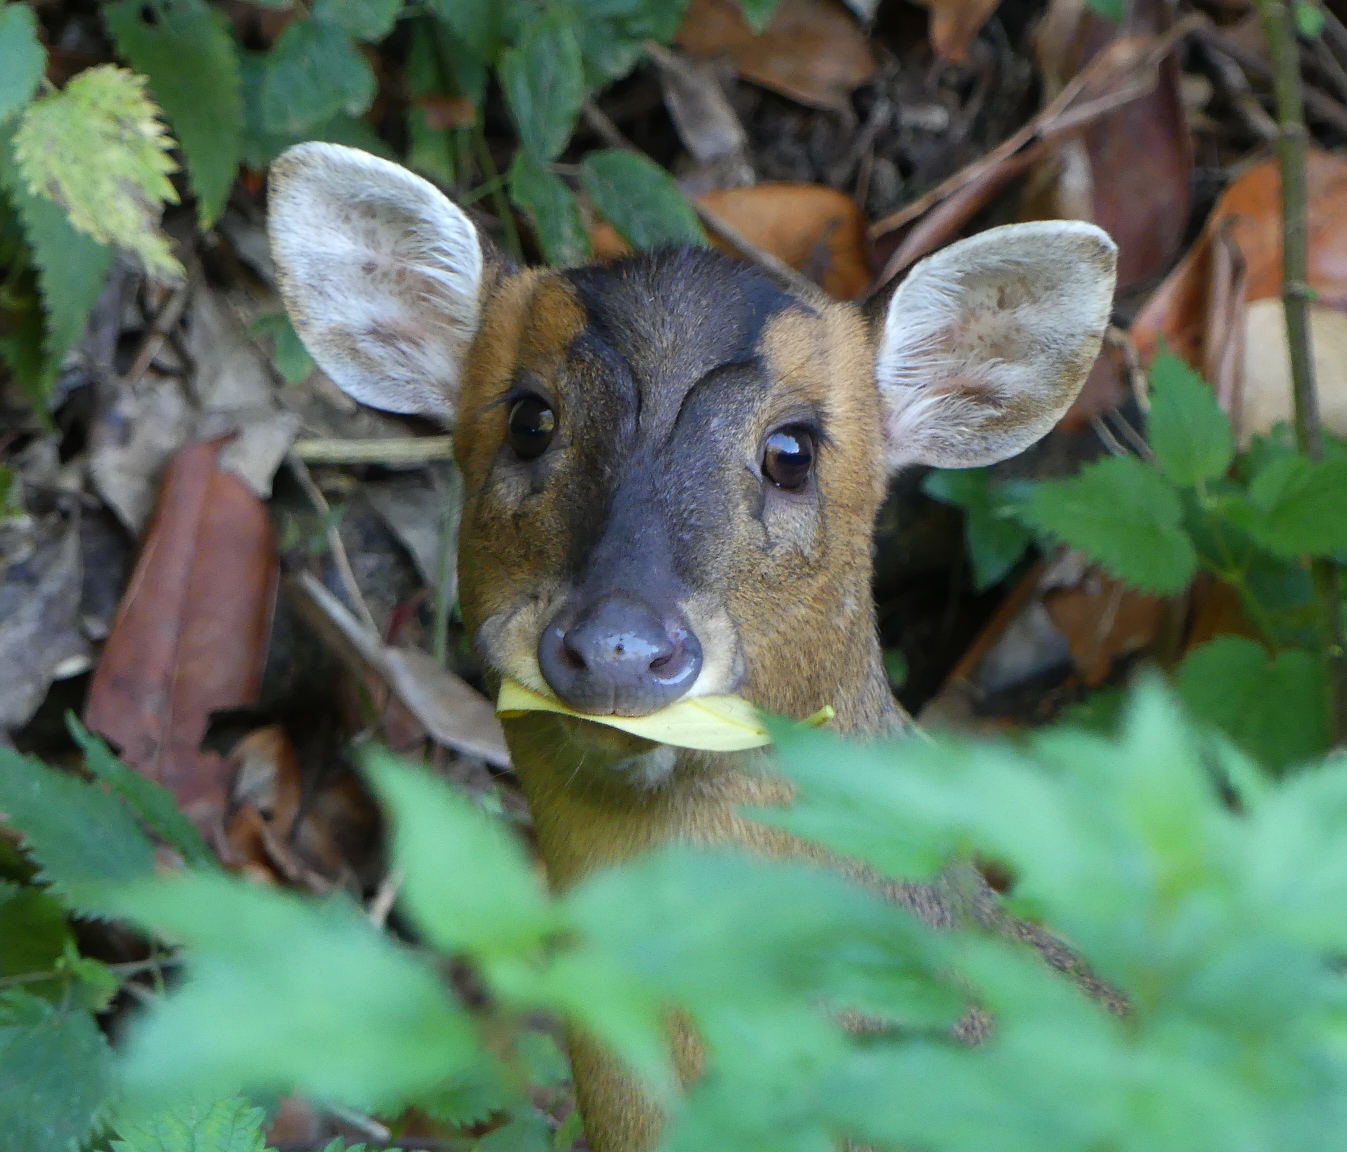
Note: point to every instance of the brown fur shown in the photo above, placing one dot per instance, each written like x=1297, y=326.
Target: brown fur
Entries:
x=784, y=581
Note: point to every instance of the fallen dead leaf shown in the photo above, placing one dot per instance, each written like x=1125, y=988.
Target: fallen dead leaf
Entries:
x=817, y=230
x=191, y=633
x=706, y=123
x=1129, y=171
x=40, y=578
x=955, y=24
x=1247, y=222
x=812, y=51
x=1103, y=621
x=1267, y=368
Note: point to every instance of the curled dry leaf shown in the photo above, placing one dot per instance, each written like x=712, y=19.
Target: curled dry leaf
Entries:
x=191, y=633
x=955, y=24
x=1242, y=239
x=815, y=229
x=40, y=639
x=812, y=51
x=1131, y=170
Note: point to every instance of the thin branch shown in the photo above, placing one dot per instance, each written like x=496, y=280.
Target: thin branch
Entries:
x=408, y=450
x=1292, y=145
x=334, y=543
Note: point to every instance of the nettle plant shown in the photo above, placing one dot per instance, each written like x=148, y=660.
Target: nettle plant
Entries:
x=85, y=170
x=1208, y=895
x=1252, y=519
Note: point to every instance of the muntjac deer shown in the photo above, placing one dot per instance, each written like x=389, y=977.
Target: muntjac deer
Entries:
x=671, y=473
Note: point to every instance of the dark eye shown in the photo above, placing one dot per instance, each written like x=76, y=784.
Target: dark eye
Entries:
x=788, y=458
x=532, y=423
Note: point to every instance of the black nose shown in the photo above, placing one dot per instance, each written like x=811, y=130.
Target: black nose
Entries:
x=617, y=656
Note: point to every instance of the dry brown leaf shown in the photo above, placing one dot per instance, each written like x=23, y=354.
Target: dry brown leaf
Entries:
x=815, y=229
x=812, y=51
x=1131, y=170
x=1267, y=368
x=1247, y=218
x=955, y=24
x=191, y=633
x=1104, y=621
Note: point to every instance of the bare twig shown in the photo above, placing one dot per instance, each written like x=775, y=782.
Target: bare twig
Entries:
x=1121, y=73
x=339, y=557
x=411, y=450
x=385, y=897
x=1321, y=104
x=164, y=320
x=1279, y=24
x=713, y=222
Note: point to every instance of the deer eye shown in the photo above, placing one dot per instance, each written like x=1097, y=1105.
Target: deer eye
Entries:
x=532, y=423
x=788, y=458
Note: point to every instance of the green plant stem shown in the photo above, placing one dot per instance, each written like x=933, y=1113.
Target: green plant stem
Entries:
x=498, y=197
x=1279, y=25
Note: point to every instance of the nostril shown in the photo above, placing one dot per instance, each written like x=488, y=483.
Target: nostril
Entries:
x=663, y=663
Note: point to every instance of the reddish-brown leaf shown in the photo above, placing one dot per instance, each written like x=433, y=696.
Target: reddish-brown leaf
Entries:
x=191, y=633
x=812, y=51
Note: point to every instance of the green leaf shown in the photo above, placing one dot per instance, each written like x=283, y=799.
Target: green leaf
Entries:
x=369, y=20
x=55, y=1074
x=529, y=1132
x=1123, y=515
x=1109, y=9
x=1309, y=19
x=153, y=803
x=313, y=72
x=291, y=358
x=98, y=149
x=22, y=58
x=477, y=23
x=758, y=13
x=186, y=50
x=1276, y=710
x=639, y=199
x=34, y=935
x=545, y=1064
x=552, y=210
x=283, y=994
x=442, y=842
x=1302, y=506
x=995, y=539
x=71, y=270
x=1190, y=434
x=544, y=83
x=78, y=834
x=430, y=151
x=231, y=1125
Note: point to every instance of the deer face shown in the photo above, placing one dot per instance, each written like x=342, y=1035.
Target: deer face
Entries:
x=672, y=467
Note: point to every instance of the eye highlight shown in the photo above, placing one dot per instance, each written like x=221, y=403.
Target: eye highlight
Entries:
x=788, y=457
x=530, y=427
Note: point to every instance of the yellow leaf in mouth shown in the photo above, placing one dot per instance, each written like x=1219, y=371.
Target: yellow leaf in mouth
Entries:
x=710, y=723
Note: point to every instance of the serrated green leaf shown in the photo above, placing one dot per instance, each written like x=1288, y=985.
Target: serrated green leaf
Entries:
x=639, y=199
x=552, y=210
x=440, y=840
x=34, y=935
x=995, y=539
x=1301, y=506
x=231, y=1125
x=544, y=84
x=544, y=1063
x=527, y=1132
x=291, y=358
x=55, y=1074
x=78, y=834
x=22, y=58
x=186, y=50
x=282, y=994
x=472, y=1098
x=71, y=270
x=1190, y=434
x=369, y=20
x=313, y=72
x=98, y=149
x=1274, y=709
x=153, y=803
x=1123, y=515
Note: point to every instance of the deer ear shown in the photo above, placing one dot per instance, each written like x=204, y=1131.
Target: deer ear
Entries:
x=987, y=342
x=381, y=275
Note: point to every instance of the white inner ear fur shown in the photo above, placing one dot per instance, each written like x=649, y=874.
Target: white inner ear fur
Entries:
x=380, y=273
x=987, y=342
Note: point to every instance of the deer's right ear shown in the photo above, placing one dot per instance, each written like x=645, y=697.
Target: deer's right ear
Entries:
x=381, y=275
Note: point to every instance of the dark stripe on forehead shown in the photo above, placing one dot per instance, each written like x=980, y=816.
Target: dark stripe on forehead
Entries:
x=694, y=302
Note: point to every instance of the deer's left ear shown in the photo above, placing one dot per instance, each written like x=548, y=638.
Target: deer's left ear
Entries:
x=986, y=343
